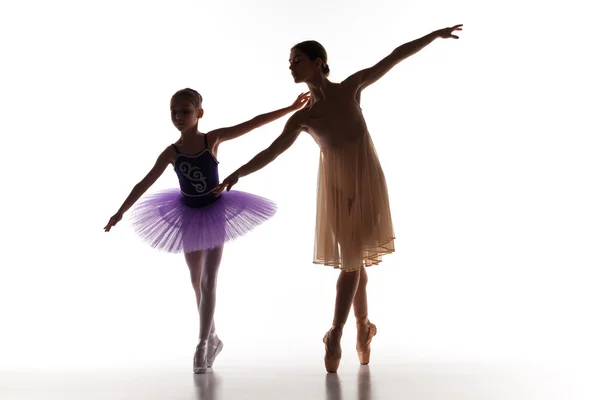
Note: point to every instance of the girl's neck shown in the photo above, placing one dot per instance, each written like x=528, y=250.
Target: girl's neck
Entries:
x=190, y=136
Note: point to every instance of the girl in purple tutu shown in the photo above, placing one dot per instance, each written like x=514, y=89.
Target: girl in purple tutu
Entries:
x=192, y=219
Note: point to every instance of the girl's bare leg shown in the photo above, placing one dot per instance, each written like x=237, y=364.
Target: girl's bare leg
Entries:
x=194, y=263
x=208, y=285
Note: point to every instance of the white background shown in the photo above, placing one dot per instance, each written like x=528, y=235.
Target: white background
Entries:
x=489, y=145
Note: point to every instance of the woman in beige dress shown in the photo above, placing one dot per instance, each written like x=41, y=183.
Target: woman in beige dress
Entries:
x=354, y=224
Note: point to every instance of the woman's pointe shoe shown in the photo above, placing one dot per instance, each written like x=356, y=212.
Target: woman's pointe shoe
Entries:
x=200, y=366
x=364, y=349
x=332, y=361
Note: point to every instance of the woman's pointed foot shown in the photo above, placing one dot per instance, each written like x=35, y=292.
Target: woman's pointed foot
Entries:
x=366, y=330
x=333, y=350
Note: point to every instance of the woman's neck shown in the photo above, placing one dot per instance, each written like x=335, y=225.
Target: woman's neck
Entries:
x=319, y=88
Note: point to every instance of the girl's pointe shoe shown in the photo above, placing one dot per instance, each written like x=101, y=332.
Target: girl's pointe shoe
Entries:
x=332, y=361
x=215, y=345
x=200, y=366
x=364, y=349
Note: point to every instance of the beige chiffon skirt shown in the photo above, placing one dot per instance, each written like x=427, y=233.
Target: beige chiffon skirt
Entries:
x=354, y=224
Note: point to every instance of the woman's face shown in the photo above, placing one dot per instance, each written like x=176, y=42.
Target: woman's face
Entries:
x=302, y=67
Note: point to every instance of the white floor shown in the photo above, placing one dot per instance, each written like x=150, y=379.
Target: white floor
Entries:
x=301, y=379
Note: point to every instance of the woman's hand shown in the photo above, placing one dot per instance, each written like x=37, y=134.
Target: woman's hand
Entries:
x=447, y=33
x=227, y=183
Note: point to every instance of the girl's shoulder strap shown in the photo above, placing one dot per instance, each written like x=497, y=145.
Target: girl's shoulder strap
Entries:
x=175, y=148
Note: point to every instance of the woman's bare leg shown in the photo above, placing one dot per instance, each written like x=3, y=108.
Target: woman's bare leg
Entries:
x=361, y=310
x=347, y=284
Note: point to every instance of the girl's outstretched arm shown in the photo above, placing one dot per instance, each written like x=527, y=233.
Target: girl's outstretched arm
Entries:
x=232, y=132
x=290, y=133
x=365, y=77
x=163, y=160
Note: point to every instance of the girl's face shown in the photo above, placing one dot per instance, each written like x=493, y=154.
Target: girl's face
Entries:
x=302, y=67
x=183, y=114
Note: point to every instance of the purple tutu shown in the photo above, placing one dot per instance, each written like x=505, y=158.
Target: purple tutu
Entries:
x=163, y=221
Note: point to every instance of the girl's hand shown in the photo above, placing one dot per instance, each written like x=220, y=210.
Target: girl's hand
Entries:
x=447, y=33
x=300, y=101
x=227, y=183
x=113, y=221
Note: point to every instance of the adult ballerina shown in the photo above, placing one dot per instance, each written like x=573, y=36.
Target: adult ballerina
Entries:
x=354, y=224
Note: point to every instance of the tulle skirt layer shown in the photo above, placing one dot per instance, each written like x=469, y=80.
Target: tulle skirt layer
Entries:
x=163, y=221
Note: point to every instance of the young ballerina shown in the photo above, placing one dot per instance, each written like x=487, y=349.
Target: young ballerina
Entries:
x=354, y=224
x=192, y=219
